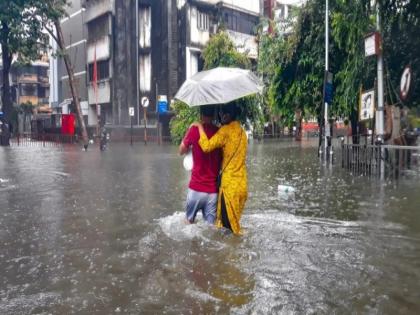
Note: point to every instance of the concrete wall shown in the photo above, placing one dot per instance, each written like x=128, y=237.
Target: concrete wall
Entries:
x=96, y=8
x=123, y=87
x=198, y=36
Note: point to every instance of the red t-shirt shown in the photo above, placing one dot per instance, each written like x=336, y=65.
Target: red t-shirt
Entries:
x=206, y=165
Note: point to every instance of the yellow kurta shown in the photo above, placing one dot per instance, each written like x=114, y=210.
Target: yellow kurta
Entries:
x=234, y=186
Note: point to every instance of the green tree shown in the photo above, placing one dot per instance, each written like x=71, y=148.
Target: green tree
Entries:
x=221, y=52
x=21, y=35
x=296, y=80
x=401, y=45
x=298, y=75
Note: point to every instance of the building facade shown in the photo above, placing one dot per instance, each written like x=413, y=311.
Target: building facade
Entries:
x=30, y=84
x=75, y=38
x=200, y=19
x=145, y=49
x=281, y=12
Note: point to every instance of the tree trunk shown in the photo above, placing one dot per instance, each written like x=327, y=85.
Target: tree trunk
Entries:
x=6, y=98
x=299, y=118
x=354, y=122
x=73, y=88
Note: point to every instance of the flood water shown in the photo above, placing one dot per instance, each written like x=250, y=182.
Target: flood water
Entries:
x=103, y=233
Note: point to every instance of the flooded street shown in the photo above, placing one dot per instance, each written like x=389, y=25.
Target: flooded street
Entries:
x=103, y=233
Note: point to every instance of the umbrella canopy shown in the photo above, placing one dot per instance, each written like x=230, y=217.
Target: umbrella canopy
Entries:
x=218, y=86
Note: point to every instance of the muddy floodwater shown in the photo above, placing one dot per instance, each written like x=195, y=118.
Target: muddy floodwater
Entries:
x=103, y=233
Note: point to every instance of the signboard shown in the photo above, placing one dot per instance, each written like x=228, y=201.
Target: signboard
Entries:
x=144, y=101
x=372, y=44
x=67, y=124
x=405, y=83
x=131, y=111
x=367, y=105
x=162, y=104
x=328, y=87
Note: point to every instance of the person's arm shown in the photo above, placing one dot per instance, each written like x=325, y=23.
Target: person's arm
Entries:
x=218, y=140
x=185, y=143
x=183, y=149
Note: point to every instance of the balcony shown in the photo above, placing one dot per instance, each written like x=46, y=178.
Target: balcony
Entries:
x=247, y=6
x=95, y=8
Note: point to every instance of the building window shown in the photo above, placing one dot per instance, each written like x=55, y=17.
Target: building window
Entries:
x=98, y=28
x=102, y=70
x=145, y=27
x=145, y=78
x=27, y=89
x=42, y=91
x=282, y=12
x=202, y=21
x=231, y=22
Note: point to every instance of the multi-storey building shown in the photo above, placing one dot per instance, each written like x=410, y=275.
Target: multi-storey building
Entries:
x=281, y=12
x=75, y=38
x=30, y=84
x=200, y=19
x=147, y=48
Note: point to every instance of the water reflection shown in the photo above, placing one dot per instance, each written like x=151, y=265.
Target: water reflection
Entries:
x=92, y=233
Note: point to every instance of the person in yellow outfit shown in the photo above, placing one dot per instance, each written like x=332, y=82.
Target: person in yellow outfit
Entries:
x=233, y=191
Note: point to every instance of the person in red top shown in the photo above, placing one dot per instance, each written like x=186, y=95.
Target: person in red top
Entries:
x=202, y=189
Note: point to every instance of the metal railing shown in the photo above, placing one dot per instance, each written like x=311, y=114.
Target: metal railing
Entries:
x=42, y=139
x=380, y=160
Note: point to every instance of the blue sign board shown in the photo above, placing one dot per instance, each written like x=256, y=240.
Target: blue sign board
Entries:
x=162, y=107
x=328, y=95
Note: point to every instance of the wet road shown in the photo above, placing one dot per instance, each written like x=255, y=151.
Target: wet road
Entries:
x=91, y=233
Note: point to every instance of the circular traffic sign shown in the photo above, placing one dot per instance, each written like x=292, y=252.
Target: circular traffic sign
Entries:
x=405, y=83
x=144, y=101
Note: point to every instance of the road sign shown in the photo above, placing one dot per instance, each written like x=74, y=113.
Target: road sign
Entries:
x=144, y=101
x=367, y=105
x=405, y=83
x=131, y=111
x=372, y=44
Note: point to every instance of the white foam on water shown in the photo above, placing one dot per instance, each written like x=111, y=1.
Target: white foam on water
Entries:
x=61, y=173
x=202, y=296
x=174, y=227
x=11, y=187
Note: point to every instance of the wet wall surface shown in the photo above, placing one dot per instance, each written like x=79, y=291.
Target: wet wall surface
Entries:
x=103, y=233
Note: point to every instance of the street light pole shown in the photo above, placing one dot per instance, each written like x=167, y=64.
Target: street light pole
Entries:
x=326, y=122
x=380, y=112
x=137, y=107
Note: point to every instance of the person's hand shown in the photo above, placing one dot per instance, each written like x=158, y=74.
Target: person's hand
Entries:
x=196, y=124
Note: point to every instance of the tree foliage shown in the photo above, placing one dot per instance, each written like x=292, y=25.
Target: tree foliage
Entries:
x=184, y=117
x=21, y=36
x=402, y=44
x=295, y=77
x=221, y=52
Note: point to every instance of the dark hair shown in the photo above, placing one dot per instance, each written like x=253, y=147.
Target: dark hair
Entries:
x=232, y=109
x=207, y=110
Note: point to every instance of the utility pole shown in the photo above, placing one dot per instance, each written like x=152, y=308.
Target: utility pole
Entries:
x=380, y=110
x=137, y=107
x=327, y=133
